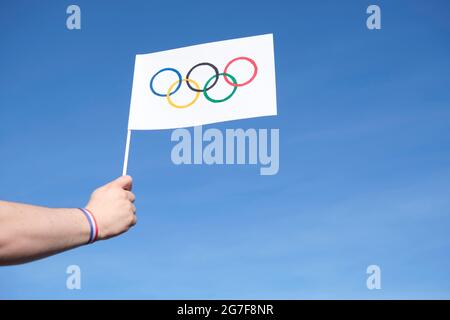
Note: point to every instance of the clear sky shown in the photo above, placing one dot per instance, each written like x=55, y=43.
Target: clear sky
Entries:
x=364, y=151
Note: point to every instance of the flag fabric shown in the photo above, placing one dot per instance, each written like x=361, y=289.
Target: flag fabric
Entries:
x=202, y=84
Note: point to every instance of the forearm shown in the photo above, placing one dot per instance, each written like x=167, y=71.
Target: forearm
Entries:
x=31, y=232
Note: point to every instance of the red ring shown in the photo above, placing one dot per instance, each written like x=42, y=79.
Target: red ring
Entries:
x=248, y=81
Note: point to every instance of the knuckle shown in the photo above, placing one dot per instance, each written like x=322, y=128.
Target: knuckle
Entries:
x=125, y=207
x=129, y=206
x=117, y=193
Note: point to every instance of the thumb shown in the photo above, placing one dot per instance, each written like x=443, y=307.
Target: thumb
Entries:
x=123, y=182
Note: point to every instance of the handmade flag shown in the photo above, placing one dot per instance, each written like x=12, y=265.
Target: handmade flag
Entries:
x=206, y=83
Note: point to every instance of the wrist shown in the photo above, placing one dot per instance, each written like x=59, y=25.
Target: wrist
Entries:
x=91, y=223
x=79, y=222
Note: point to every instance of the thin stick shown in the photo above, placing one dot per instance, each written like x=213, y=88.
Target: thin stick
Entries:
x=127, y=151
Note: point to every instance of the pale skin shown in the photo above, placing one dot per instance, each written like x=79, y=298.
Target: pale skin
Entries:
x=30, y=232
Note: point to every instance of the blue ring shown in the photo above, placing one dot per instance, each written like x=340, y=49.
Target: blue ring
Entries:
x=162, y=70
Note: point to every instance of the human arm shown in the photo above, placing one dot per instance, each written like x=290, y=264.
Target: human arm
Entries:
x=29, y=232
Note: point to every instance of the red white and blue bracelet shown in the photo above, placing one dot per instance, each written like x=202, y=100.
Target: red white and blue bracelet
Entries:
x=92, y=223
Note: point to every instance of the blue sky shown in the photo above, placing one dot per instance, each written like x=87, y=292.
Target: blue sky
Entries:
x=364, y=151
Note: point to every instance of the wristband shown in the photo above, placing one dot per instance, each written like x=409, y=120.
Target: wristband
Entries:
x=92, y=223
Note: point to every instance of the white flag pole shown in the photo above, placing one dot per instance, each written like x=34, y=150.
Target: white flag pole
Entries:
x=127, y=151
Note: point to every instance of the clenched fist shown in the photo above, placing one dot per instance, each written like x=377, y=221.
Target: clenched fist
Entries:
x=113, y=208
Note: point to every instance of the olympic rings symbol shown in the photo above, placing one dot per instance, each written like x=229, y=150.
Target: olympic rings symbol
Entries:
x=210, y=83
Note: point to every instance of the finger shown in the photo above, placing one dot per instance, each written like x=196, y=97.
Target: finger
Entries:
x=133, y=208
x=134, y=220
x=130, y=196
x=124, y=182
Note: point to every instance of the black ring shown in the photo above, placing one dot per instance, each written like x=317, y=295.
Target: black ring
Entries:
x=198, y=65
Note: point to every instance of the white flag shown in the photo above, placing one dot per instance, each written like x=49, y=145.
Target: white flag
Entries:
x=206, y=83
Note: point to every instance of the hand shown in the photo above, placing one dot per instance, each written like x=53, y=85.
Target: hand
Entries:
x=113, y=208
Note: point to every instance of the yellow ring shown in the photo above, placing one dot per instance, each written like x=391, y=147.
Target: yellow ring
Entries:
x=186, y=105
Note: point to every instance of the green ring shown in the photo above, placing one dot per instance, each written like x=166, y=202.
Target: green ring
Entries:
x=224, y=99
